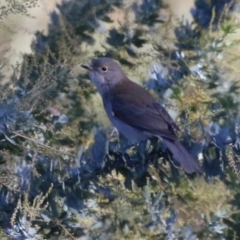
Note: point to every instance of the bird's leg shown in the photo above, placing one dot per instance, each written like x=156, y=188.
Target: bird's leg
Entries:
x=124, y=143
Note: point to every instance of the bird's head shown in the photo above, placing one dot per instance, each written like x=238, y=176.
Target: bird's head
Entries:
x=104, y=73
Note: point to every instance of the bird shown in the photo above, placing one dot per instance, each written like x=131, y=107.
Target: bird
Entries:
x=134, y=112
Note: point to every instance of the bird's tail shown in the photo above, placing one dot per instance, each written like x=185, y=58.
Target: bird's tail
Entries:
x=189, y=164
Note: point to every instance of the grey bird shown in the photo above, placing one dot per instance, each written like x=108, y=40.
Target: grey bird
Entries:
x=134, y=111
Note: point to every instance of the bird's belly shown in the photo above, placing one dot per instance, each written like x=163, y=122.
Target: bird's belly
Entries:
x=132, y=134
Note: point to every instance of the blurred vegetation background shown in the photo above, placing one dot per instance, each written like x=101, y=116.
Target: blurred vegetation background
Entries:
x=63, y=175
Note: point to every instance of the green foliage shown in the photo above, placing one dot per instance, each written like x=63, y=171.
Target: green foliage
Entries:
x=60, y=182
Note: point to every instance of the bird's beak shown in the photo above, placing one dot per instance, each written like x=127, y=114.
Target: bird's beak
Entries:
x=87, y=66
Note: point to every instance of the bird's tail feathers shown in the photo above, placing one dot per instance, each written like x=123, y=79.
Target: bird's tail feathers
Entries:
x=189, y=164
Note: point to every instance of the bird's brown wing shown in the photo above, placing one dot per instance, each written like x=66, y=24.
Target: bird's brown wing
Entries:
x=147, y=115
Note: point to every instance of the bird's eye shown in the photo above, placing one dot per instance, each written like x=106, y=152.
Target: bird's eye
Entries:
x=104, y=69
